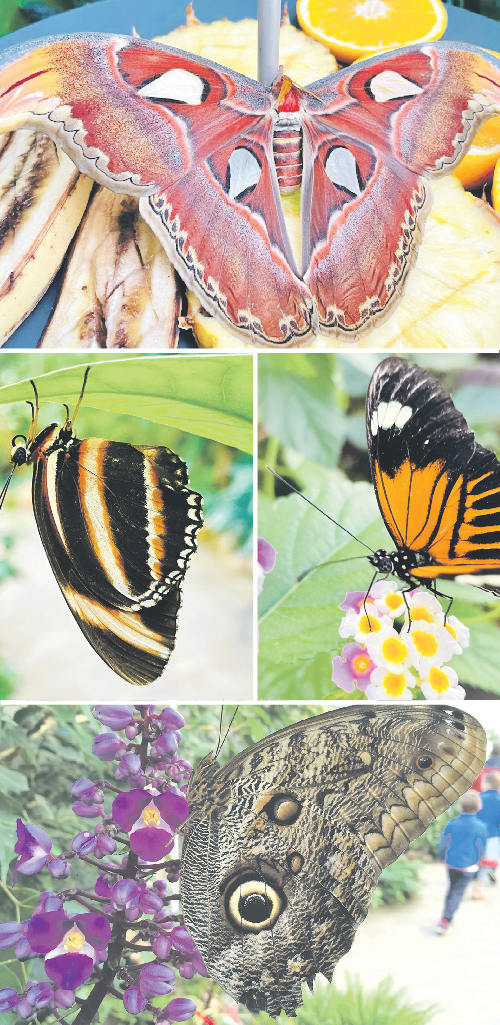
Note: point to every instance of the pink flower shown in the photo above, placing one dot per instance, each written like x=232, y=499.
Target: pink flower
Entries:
x=353, y=669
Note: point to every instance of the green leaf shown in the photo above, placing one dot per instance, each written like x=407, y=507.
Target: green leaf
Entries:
x=10, y=17
x=12, y=782
x=8, y=837
x=206, y=395
x=297, y=408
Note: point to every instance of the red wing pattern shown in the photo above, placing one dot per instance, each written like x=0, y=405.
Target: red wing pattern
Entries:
x=156, y=122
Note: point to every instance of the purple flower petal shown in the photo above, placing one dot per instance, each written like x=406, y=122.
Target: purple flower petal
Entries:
x=106, y=746
x=266, y=555
x=59, y=868
x=95, y=927
x=187, y=970
x=133, y=1000
x=84, y=843
x=23, y=951
x=86, y=811
x=49, y=901
x=128, y=806
x=69, y=971
x=33, y=845
x=179, y=1009
x=126, y=894
x=162, y=946
x=40, y=995
x=151, y=843
x=45, y=931
x=342, y=675
x=173, y=807
x=167, y=743
x=8, y=999
x=24, y=1009
x=11, y=933
x=156, y=979
x=83, y=789
x=199, y=965
x=106, y=844
x=115, y=716
x=64, y=998
x=102, y=888
x=182, y=940
x=171, y=719
x=130, y=764
x=150, y=902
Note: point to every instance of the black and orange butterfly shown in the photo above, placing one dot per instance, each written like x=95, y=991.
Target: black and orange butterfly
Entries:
x=118, y=523
x=438, y=490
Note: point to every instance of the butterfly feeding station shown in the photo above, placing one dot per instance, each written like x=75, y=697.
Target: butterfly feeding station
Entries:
x=202, y=167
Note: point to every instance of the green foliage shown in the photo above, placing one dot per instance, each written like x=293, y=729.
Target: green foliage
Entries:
x=329, y=1005
x=312, y=416
x=205, y=395
x=397, y=882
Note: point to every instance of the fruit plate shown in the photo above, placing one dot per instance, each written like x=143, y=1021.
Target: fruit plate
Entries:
x=157, y=18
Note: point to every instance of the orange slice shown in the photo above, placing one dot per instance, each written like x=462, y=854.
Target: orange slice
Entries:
x=495, y=188
x=479, y=163
x=360, y=28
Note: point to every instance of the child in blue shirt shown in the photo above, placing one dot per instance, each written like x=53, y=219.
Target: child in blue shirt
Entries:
x=461, y=847
x=490, y=815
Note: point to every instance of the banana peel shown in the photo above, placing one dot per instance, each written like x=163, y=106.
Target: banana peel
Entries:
x=119, y=291
x=42, y=201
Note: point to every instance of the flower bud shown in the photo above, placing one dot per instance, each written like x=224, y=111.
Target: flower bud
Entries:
x=115, y=716
x=83, y=789
x=106, y=746
x=125, y=894
x=171, y=719
x=156, y=979
x=134, y=1001
x=162, y=946
x=84, y=843
x=179, y=1009
x=59, y=868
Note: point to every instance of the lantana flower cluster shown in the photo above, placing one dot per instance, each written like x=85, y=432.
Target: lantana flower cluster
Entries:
x=87, y=937
x=400, y=641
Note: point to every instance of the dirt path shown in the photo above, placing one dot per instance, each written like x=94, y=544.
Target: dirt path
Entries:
x=458, y=971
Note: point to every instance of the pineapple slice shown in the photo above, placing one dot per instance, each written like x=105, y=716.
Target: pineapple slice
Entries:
x=452, y=295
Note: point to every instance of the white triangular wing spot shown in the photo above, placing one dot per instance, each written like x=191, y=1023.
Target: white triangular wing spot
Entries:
x=341, y=168
x=178, y=85
x=389, y=85
x=244, y=171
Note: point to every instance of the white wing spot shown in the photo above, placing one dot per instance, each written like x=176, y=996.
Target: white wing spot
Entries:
x=390, y=414
x=341, y=168
x=244, y=171
x=389, y=85
x=178, y=85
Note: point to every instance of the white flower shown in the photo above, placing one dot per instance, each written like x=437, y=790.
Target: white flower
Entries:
x=424, y=607
x=459, y=632
x=433, y=645
x=389, y=649
x=387, y=599
x=441, y=684
x=386, y=685
x=361, y=624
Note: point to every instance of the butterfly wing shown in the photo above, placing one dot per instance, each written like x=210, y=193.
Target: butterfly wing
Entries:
x=437, y=489
x=119, y=524
x=370, y=134
x=142, y=118
x=285, y=843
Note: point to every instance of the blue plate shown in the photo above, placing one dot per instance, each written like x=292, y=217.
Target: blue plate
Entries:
x=155, y=17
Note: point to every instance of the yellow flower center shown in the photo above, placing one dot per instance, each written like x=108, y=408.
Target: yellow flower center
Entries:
x=74, y=940
x=151, y=817
x=421, y=614
x=393, y=601
x=451, y=631
x=369, y=625
x=394, y=650
x=438, y=680
x=394, y=684
x=425, y=643
x=361, y=663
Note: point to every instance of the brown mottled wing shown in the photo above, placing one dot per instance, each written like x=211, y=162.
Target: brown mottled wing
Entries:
x=285, y=843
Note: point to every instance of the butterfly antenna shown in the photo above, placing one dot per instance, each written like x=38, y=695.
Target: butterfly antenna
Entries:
x=34, y=415
x=5, y=488
x=322, y=511
x=77, y=407
x=223, y=741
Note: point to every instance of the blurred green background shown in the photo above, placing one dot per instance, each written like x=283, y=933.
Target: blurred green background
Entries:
x=222, y=474
x=312, y=431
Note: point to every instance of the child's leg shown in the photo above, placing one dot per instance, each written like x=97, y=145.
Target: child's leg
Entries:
x=456, y=890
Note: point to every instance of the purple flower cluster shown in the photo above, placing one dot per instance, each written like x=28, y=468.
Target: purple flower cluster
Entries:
x=148, y=810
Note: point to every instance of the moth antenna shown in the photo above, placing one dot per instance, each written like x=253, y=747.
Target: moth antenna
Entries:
x=34, y=415
x=77, y=407
x=221, y=743
x=322, y=511
x=5, y=488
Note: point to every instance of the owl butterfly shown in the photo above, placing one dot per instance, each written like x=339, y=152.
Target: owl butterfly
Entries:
x=284, y=844
x=207, y=151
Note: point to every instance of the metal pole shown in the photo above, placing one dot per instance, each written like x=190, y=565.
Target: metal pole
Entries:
x=269, y=40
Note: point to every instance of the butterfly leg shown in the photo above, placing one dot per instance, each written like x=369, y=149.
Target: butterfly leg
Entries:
x=372, y=581
x=439, y=594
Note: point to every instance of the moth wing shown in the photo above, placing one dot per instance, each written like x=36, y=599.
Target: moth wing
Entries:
x=305, y=821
